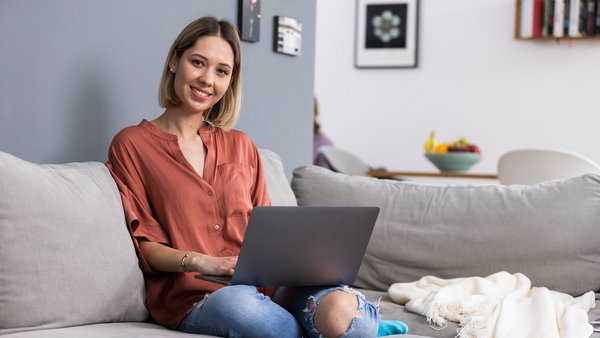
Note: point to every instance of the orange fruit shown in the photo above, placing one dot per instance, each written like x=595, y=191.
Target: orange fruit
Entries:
x=441, y=148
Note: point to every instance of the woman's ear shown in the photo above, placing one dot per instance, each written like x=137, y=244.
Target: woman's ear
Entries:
x=173, y=61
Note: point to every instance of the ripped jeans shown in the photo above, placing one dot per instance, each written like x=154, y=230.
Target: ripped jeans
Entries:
x=241, y=311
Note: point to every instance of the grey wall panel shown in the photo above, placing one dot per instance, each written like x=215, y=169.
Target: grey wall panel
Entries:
x=74, y=72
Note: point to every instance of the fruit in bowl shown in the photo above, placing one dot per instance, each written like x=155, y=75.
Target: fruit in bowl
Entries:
x=457, y=156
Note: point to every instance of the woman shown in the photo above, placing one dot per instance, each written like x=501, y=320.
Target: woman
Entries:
x=320, y=140
x=188, y=183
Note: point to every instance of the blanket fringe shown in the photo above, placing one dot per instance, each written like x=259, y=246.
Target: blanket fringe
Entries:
x=473, y=327
x=473, y=317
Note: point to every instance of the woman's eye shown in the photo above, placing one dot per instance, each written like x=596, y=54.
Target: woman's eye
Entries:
x=198, y=63
x=222, y=72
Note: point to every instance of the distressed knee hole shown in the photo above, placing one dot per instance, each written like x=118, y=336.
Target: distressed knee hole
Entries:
x=359, y=314
x=310, y=304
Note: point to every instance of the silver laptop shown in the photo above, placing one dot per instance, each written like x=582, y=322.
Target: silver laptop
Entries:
x=302, y=246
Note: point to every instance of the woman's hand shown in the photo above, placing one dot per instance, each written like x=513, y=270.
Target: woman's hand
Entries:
x=163, y=258
x=209, y=265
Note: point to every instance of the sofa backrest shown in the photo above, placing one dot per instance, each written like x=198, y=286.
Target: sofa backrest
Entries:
x=546, y=231
x=67, y=257
x=278, y=185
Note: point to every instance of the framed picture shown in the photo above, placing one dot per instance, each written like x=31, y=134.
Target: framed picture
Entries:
x=288, y=35
x=386, y=33
x=249, y=20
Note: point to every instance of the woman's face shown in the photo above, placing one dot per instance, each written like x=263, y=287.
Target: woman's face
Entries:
x=203, y=73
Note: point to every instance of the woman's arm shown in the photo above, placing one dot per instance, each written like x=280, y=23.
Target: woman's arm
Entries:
x=163, y=258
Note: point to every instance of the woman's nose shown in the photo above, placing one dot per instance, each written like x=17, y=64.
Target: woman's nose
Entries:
x=205, y=79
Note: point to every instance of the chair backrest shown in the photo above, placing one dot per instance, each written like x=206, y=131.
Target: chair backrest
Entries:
x=344, y=162
x=530, y=166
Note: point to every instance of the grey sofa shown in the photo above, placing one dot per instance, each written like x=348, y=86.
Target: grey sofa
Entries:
x=68, y=267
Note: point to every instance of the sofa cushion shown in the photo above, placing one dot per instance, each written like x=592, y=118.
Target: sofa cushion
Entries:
x=417, y=324
x=108, y=330
x=547, y=231
x=280, y=192
x=67, y=257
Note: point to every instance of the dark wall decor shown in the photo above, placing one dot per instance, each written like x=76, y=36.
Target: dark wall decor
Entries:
x=249, y=20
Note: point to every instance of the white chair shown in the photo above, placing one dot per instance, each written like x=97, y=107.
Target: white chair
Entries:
x=530, y=166
x=344, y=162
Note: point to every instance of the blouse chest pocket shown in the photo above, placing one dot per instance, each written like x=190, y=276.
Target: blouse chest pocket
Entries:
x=236, y=183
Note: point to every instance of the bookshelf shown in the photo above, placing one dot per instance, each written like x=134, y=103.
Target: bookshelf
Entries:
x=525, y=13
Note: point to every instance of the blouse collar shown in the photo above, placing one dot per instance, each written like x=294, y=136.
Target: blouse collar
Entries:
x=207, y=127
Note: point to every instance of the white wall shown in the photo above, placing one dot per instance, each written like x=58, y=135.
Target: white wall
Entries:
x=473, y=80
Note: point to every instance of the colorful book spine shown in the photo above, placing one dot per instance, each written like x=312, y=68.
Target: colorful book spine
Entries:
x=574, y=18
x=582, y=17
x=526, y=29
x=567, y=20
x=548, y=19
x=538, y=18
x=597, y=16
x=559, y=18
x=591, y=18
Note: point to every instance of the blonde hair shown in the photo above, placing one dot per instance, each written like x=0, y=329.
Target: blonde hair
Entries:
x=225, y=112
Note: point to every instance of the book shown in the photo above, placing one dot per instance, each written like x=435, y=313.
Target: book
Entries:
x=559, y=18
x=574, y=18
x=591, y=18
x=582, y=17
x=538, y=18
x=567, y=19
x=526, y=29
x=597, y=17
x=548, y=19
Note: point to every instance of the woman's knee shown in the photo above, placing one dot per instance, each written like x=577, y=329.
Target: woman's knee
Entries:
x=250, y=313
x=236, y=298
x=344, y=313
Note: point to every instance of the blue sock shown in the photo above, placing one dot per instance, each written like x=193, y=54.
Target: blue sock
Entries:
x=390, y=327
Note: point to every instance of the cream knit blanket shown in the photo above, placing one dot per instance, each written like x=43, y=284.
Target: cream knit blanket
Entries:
x=498, y=306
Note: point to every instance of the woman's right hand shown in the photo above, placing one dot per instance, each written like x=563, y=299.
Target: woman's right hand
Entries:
x=209, y=265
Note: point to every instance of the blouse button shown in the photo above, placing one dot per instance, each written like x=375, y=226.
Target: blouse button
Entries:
x=217, y=227
x=209, y=193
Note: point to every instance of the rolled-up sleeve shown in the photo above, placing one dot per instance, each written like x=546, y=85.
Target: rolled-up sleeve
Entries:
x=137, y=211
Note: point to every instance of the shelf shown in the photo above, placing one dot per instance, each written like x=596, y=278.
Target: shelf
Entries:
x=554, y=38
x=517, y=32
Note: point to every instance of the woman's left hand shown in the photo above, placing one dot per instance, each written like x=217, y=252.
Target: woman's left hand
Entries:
x=210, y=265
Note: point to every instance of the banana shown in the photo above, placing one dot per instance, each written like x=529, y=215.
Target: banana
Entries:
x=430, y=143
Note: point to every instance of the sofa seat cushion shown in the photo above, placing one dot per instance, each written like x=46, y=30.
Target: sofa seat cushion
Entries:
x=108, y=330
x=417, y=324
x=124, y=330
x=67, y=257
x=546, y=231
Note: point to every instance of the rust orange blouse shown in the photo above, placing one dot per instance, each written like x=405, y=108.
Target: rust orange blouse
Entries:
x=166, y=201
